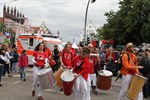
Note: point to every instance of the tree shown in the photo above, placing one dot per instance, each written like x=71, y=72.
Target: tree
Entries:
x=2, y=27
x=129, y=24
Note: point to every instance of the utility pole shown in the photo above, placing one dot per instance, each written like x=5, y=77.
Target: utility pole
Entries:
x=85, y=34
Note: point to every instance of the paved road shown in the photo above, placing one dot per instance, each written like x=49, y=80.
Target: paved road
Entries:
x=14, y=89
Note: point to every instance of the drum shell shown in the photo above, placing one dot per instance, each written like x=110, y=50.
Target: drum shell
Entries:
x=46, y=79
x=104, y=81
x=136, y=85
x=67, y=85
x=57, y=75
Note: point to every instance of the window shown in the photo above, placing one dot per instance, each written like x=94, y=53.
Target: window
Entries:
x=31, y=42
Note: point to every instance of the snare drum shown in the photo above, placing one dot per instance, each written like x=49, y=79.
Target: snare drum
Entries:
x=104, y=79
x=68, y=81
x=46, y=78
x=137, y=83
x=57, y=75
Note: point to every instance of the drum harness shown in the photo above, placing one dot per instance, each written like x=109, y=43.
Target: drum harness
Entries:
x=79, y=67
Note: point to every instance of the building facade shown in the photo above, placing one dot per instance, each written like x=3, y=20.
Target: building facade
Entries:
x=90, y=30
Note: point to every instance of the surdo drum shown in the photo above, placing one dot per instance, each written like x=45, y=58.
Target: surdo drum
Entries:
x=68, y=81
x=137, y=83
x=104, y=79
x=46, y=78
x=57, y=75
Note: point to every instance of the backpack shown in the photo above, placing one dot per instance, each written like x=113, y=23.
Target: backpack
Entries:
x=120, y=64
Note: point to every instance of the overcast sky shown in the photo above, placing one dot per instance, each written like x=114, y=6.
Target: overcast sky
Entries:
x=67, y=16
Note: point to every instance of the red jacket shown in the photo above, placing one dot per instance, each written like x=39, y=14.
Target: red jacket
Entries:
x=84, y=71
x=23, y=61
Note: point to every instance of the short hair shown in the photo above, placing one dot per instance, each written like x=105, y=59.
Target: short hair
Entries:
x=147, y=50
x=55, y=45
x=85, y=50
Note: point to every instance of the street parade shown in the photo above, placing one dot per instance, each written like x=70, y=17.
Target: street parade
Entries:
x=37, y=64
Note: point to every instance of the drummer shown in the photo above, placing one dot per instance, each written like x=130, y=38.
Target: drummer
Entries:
x=47, y=50
x=40, y=61
x=81, y=66
x=128, y=71
x=66, y=56
x=92, y=74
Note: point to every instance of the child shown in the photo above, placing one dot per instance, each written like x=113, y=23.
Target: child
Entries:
x=23, y=63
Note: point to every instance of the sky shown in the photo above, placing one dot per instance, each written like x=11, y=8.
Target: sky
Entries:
x=67, y=16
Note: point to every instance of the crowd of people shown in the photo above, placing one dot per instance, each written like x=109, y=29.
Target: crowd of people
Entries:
x=84, y=63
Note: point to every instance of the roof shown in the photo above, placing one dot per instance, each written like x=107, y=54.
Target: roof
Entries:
x=1, y=19
x=36, y=28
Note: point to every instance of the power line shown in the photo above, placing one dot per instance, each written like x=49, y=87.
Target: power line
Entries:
x=9, y=2
x=50, y=3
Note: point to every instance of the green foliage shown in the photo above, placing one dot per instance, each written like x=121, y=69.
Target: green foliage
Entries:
x=12, y=34
x=131, y=23
x=2, y=27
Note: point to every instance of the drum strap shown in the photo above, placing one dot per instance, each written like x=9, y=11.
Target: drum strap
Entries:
x=79, y=67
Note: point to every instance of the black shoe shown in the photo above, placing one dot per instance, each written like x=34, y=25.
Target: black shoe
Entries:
x=61, y=89
x=24, y=80
x=146, y=97
x=1, y=85
x=40, y=98
x=95, y=92
x=33, y=93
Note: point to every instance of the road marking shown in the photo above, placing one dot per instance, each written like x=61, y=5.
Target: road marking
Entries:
x=18, y=75
x=16, y=82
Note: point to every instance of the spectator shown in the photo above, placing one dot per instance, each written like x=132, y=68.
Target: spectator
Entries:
x=23, y=63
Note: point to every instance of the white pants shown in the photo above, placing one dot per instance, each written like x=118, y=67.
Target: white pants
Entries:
x=125, y=85
x=93, y=78
x=81, y=89
x=35, y=86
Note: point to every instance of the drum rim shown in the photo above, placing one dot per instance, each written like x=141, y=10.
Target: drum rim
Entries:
x=45, y=69
x=65, y=80
x=141, y=76
x=105, y=74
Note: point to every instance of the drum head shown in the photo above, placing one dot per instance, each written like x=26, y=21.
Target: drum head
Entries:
x=67, y=76
x=105, y=73
x=43, y=71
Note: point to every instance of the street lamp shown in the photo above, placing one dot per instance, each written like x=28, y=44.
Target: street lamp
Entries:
x=92, y=1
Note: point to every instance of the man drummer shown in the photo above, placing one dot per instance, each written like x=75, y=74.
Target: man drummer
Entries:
x=128, y=71
x=81, y=67
x=92, y=74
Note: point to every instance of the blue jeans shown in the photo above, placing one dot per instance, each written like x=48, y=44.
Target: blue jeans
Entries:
x=1, y=72
x=14, y=67
x=22, y=72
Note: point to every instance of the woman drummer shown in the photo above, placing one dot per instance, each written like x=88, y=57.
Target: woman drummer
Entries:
x=40, y=62
x=81, y=67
